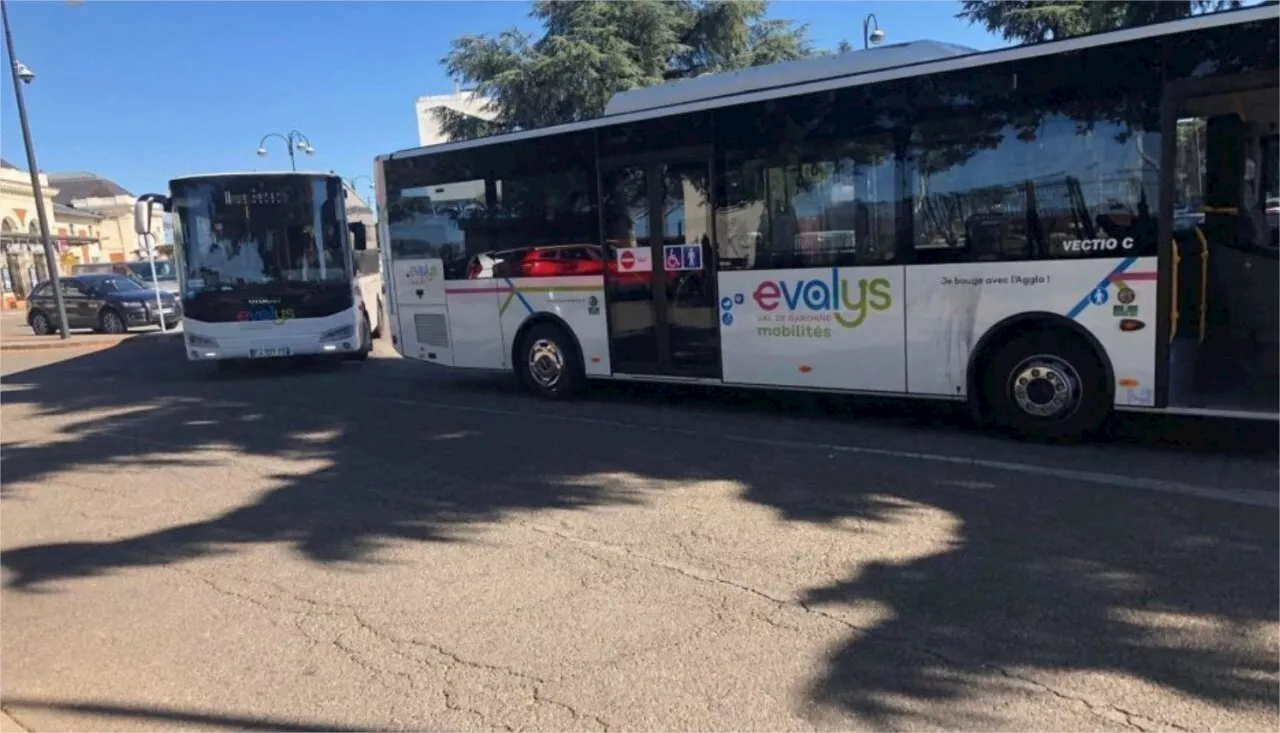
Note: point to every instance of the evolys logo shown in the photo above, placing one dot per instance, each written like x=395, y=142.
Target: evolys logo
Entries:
x=848, y=302
x=268, y=313
x=421, y=274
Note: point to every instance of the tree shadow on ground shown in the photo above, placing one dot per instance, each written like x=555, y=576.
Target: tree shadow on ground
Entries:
x=381, y=475
x=1042, y=576
x=175, y=717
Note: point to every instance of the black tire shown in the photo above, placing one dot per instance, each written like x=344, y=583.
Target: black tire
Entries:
x=1047, y=386
x=549, y=363
x=382, y=319
x=366, y=340
x=110, y=321
x=40, y=323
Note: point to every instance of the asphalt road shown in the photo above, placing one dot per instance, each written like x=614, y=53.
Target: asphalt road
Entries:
x=391, y=546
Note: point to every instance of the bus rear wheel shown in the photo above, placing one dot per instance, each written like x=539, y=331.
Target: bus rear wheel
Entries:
x=549, y=362
x=1047, y=386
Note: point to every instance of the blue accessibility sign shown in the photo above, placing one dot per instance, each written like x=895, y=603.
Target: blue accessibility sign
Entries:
x=1099, y=296
x=682, y=257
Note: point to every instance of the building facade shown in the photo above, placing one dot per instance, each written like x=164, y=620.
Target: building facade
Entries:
x=89, y=192
x=462, y=100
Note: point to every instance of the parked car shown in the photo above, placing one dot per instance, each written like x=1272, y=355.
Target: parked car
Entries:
x=108, y=303
x=166, y=273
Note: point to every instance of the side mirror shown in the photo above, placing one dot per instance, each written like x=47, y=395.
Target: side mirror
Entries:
x=142, y=216
x=142, y=211
x=358, y=241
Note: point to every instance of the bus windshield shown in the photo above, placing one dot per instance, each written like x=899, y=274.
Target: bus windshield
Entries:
x=270, y=230
x=165, y=271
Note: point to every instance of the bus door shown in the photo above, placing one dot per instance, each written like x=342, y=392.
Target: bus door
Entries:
x=1224, y=304
x=660, y=281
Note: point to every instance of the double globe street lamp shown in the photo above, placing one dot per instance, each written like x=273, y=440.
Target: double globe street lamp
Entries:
x=294, y=141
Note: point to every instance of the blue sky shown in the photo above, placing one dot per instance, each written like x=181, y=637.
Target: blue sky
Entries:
x=141, y=92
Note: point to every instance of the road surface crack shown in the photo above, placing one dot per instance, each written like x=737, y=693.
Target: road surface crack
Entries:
x=1103, y=710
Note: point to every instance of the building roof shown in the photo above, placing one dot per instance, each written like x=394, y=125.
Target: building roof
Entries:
x=65, y=210
x=6, y=164
x=83, y=185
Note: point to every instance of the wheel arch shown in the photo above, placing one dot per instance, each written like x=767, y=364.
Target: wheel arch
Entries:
x=538, y=319
x=1017, y=325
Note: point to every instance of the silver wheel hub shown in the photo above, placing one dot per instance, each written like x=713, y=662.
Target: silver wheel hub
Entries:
x=113, y=322
x=546, y=362
x=1045, y=387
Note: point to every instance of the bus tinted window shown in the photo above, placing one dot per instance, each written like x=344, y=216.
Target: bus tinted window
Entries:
x=1221, y=51
x=809, y=181
x=836, y=208
x=260, y=230
x=552, y=211
x=444, y=219
x=1018, y=162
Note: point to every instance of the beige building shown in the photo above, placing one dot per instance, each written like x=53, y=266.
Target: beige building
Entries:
x=358, y=209
x=75, y=233
x=464, y=101
x=88, y=192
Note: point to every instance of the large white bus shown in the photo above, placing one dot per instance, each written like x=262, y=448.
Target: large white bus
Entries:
x=269, y=267
x=1047, y=232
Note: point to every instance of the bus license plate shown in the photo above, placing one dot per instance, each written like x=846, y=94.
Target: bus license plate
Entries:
x=268, y=353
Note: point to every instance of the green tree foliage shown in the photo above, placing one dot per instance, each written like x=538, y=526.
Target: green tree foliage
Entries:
x=1034, y=21
x=593, y=49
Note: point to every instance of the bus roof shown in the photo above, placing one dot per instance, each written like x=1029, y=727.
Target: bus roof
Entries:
x=782, y=74
x=251, y=174
x=805, y=76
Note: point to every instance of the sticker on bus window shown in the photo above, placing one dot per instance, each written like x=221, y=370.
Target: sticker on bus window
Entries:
x=682, y=257
x=634, y=259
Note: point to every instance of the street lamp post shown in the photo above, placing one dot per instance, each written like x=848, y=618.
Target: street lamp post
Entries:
x=293, y=141
x=870, y=36
x=352, y=183
x=23, y=75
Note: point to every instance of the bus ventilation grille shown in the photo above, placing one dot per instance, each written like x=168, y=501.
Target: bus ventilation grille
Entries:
x=432, y=329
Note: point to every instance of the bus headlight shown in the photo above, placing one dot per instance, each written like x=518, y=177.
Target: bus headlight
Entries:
x=337, y=334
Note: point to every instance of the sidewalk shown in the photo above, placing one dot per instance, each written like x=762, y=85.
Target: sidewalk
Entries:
x=15, y=335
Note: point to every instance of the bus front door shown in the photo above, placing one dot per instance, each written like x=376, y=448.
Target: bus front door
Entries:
x=660, y=278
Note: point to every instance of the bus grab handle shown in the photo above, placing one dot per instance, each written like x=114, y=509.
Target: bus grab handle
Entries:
x=1204, y=280
x=1173, y=310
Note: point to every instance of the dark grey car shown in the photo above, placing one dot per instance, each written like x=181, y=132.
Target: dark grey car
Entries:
x=108, y=303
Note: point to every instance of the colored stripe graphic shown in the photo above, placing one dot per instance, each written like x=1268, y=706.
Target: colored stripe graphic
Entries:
x=1115, y=276
x=514, y=292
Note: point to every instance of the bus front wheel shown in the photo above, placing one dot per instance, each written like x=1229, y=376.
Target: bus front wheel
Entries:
x=549, y=362
x=366, y=340
x=1047, y=386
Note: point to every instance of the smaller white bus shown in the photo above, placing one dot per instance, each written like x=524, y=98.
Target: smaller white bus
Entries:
x=269, y=267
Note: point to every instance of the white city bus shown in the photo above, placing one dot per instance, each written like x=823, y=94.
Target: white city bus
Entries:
x=1047, y=232
x=269, y=267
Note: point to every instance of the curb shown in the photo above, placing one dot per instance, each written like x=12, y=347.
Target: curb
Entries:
x=73, y=343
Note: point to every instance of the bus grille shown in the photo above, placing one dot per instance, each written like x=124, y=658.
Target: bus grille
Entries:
x=432, y=329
